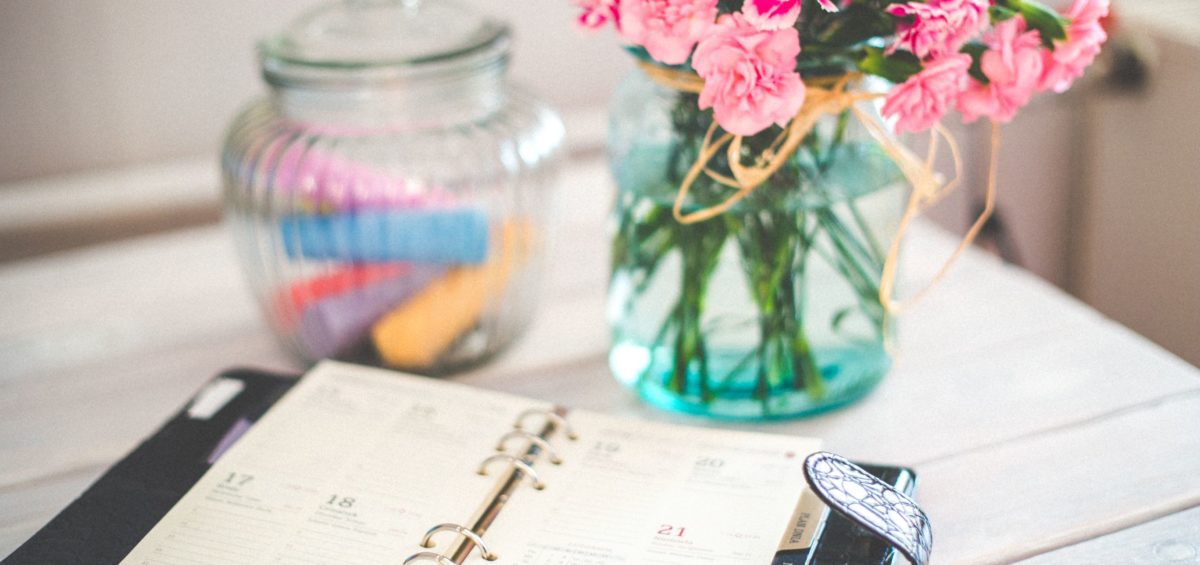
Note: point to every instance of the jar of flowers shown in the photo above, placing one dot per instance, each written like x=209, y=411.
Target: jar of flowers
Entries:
x=762, y=191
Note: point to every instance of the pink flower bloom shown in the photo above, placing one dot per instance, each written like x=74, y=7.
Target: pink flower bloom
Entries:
x=1013, y=65
x=771, y=14
x=829, y=5
x=938, y=26
x=668, y=29
x=750, y=78
x=595, y=13
x=778, y=14
x=924, y=98
x=1072, y=56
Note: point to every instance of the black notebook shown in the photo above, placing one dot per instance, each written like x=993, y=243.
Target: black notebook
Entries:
x=360, y=465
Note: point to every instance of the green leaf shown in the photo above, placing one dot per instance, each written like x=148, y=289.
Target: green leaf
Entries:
x=838, y=317
x=976, y=50
x=1049, y=24
x=853, y=25
x=1000, y=14
x=896, y=67
x=729, y=6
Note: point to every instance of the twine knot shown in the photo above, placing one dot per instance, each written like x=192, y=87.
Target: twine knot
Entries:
x=825, y=96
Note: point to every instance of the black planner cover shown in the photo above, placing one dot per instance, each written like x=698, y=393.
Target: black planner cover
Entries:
x=105, y=523
x=114, y=514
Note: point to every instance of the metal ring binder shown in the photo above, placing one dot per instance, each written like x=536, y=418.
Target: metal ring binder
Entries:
x=521, y=467
x=428, y=556
x=517, y=462
x=427, y=541
x=551, y=416
x=532, y=438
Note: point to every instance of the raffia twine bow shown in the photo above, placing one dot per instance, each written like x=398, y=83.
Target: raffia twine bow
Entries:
x=826, y=97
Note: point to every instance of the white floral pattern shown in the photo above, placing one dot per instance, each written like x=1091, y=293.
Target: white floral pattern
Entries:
x=871, y=503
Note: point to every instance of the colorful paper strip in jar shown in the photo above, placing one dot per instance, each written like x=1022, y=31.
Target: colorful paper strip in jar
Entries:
x=291, y=302
x=323, y=183
x=449, y=235
x=338, y=323
x=420, y=330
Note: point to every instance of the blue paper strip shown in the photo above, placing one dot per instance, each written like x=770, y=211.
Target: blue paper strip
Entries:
x=423, y=236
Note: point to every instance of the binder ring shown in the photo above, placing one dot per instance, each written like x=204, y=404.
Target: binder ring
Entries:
x=550, y=416
x=533, y=438
x=429, y=556
x=516, y=462
x=427, y=541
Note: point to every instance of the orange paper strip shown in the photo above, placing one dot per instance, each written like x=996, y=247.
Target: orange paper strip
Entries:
x=418, y=332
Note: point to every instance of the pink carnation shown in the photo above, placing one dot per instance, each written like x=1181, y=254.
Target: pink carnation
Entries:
x=772, y=14
x=750, y=78
x=668, y=29
x=923, y=99
x=1072, y=56
x=938, y=27
x=830, y=5
x=595, y=13
x=1013, y=65
x=778, y=14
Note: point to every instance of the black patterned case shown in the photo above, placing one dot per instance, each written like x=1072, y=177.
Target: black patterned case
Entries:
x=842, y=541
x=874, y=505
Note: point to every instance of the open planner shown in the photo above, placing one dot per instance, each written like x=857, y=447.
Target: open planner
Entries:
x=361, y=465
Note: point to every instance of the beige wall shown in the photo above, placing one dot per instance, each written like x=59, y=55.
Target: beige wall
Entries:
x=1141, y=260
x=100, y=83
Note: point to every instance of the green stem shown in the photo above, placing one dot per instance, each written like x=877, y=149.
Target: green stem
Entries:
x=865, y=229
x=805, y=372
x=845, y=242
x=700, y=248
x=659, y=339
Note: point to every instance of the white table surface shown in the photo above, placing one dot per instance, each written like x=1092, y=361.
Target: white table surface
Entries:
x=1038, y=428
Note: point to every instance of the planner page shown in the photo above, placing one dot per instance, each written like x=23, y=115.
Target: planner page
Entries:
x=638, y=493
x=353, y=465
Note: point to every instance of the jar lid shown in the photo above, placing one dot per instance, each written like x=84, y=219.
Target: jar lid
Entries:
x=367, y=41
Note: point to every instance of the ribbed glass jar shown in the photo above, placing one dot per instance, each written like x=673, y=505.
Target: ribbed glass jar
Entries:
x=389, y=200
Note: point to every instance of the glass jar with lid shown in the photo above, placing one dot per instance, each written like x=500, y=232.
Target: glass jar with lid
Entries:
x=388, y=196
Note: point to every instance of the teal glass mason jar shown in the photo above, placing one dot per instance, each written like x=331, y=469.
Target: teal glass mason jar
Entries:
x=770, y=309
